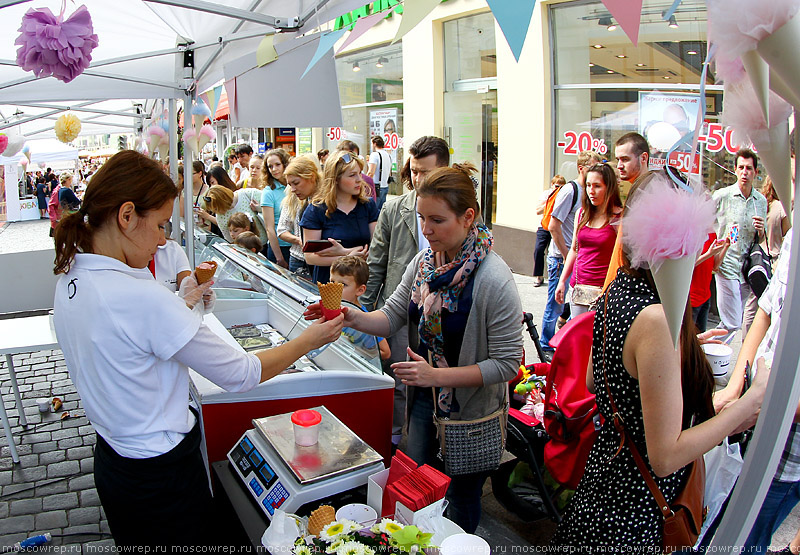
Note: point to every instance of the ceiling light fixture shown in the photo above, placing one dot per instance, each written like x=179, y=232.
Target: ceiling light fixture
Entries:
x=667, y=77
x=381, y=61
x=598, y=46
x=591, y=64
x=673, y=22
x=608, y=23
x=356, y=67
x=640, y=65
x=621, y=56
x=609, y=71
x=692, y=52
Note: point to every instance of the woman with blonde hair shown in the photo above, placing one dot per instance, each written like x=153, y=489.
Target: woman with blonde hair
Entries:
x=274, y=190
x=225, y=203
x=341, y=212
x=777, y=221
x=303, y=179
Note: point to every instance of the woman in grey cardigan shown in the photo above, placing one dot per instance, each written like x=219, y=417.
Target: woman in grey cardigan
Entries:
x=459, y=300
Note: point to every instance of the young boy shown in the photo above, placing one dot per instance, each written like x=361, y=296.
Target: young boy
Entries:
x=249, y=240
x=240, y=223
x=353, y=273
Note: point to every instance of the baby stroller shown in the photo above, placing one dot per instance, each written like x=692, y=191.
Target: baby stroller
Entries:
x=558, y=436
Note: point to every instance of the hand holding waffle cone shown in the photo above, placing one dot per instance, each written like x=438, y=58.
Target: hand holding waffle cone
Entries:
x=205, y=271
x=331, y=294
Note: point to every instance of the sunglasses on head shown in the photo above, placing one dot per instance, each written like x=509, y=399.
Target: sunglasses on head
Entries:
x=346, y=157
x=207, y=199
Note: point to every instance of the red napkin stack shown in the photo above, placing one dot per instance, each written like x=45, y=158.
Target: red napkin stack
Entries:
x=416, y=488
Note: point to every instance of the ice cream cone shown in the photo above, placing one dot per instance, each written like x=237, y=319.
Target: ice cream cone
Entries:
x=205, y=271
x=320, y=518
x=163, y=151
x=758, y=73
x=198, y=123
x=780, y=49
x=331, y=294
x=673, y=279
x=153, y=141
x=202, y=141
x=775, y=151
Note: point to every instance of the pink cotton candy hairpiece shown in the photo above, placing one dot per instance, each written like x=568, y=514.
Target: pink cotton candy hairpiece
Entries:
x=737, y=26
x=50, y=45
x=728, y=70
x=664, y=222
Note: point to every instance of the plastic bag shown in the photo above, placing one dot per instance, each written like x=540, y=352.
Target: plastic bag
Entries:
x=282, y=532
x=723, y=466
x=190, y=294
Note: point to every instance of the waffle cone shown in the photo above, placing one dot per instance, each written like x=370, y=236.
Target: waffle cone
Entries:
x=331, y=294
x=205, y=274
x=320, y=518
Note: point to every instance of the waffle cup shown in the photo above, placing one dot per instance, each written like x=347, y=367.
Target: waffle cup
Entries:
x=320, y=518
x=205, y=274
x=331, y=294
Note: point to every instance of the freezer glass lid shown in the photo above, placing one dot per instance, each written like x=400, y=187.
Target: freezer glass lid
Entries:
x=338, y=451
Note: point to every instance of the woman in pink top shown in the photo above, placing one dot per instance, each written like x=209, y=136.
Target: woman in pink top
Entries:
x=594, y=236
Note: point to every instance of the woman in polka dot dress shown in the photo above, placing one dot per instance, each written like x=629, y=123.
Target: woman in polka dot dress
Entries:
x=613, y=510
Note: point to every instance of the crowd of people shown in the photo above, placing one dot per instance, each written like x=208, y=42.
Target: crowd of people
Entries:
x=422, y=271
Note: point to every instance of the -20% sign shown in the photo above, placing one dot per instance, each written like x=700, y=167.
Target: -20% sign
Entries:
x=578, y=142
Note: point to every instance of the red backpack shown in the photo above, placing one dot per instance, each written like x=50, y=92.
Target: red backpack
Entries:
x=54, y=207
x=571, y=417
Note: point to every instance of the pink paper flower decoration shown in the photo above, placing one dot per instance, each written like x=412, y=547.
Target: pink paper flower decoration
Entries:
x=50, y=45
x=3, y=143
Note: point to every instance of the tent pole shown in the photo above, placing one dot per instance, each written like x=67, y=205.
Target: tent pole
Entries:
x=188, y=213
x=173, y=167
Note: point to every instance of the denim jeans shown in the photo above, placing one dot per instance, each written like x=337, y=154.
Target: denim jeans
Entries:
x=296, y=264
x=779, y=502
x=552, y=309
x=700, y=315
x=464, y=493
x=381, y=196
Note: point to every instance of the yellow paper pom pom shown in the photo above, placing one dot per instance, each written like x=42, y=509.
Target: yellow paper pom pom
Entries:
x=67, y=128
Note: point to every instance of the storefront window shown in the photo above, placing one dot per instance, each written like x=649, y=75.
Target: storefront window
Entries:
x=606, y=87
x=470, y=100
x=371, y=93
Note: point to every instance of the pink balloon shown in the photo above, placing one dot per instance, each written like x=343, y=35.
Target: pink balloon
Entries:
x=24, y=161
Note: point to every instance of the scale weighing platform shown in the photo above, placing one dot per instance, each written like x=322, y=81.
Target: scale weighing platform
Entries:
x=278, y=473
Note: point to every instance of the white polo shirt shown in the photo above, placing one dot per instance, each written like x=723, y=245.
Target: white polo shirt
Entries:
x=126, y=341
x=171, y=261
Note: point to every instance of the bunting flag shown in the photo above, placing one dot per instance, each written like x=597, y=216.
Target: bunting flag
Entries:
x=413, y=13
x=363, y=24
x=213, y=97
x=514, y=18
x=326, y=42
x=230, y=88
x=628, y=14
x=266, y=51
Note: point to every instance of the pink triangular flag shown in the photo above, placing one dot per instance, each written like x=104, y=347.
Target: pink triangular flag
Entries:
x=628, y=14
x=230, y=88
x=363, y=24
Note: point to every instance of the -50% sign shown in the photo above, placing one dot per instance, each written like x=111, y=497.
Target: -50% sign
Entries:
x=336, y=134
x=578, y=142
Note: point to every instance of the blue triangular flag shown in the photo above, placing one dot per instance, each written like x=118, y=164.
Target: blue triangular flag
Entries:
x=514, y=19
x=326, y=42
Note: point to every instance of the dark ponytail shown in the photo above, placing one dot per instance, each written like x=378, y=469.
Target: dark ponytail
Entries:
x=127, y=177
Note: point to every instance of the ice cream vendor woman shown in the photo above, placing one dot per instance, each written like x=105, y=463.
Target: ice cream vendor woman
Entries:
x=128, y=342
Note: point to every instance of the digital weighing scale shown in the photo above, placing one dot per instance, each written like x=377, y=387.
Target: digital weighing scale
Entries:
x=281, y=474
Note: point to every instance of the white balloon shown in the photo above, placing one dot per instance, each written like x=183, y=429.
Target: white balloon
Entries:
x=15, y=144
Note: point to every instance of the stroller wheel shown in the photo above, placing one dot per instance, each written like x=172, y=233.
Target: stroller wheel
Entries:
x=522, y=499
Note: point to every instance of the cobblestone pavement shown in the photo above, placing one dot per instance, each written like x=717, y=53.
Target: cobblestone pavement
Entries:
x=52, y=489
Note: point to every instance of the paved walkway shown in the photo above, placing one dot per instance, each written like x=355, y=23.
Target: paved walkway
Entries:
x=52, y=489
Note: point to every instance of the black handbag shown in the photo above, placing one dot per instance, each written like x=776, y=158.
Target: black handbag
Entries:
x=756, y=268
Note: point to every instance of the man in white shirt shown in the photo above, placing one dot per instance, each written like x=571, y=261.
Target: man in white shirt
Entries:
x=243, y=154
x=396, y=241
x=380, y=162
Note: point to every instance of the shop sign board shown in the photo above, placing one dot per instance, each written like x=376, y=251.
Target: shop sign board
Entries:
x=383, y=123
x=262, y=148
x=304, y=140
x=663, y=120
x=29, y=209
x=349, y=19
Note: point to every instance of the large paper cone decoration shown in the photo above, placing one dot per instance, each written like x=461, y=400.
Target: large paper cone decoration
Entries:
x=779, y=87
x=780, y=51
x=774, y=148
x=673, y=279
x=758, y=73
x=163, y=150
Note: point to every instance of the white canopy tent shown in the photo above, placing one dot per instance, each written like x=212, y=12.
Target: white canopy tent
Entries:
x=173, y=49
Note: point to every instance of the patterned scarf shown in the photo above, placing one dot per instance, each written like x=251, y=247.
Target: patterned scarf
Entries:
x=474, y=249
